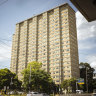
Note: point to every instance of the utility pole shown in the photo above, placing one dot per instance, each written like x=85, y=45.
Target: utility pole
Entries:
x=76, y=85
x=59, y=75
x=86, y=81
x=30, y=78
x=11, y=83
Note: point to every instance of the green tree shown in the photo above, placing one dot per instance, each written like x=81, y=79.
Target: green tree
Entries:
x=39, y=79
x=65, y=84
x=69, y=84
x=5, y=79
x=86, y=69
x=73, y=84
x=94, y=84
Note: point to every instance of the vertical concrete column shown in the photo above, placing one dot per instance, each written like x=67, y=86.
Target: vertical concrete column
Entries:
x=15, y=50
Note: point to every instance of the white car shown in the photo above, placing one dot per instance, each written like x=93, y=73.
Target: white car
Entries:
x=34, y=94
x=29, y=94
x=20, y=92
x=94, y=92
x=11, y=92
x=79, y=91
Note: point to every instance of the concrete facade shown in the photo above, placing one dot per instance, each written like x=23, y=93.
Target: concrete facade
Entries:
x=50, y=38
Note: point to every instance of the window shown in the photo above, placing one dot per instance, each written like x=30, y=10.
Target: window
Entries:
x=65, y=12
x=67, y=45
x=44, y=65
x=57, y=67
x=57, y=43
x=67, y=76
x=66, y=22
x=56, y=28
x=44, y=61
x=53, y=76
x=67, y=41
x=57, y=76
x=56, y=21
x=67, y=49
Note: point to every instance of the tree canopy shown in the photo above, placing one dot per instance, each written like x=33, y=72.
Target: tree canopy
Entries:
x=37, y=79
x=69, y=84
x=6, y=76
x=86, y=69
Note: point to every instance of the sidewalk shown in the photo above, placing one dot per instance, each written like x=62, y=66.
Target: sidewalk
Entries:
x=74, y=95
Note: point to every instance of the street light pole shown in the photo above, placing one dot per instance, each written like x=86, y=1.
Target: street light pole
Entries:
x=86, y=81
x=59, y=75
x=30, y=78
x=11, y=81
x=76, y=85
x=10, y=85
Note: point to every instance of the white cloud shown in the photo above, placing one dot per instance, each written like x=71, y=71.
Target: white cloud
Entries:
x=87, y=44
x=86, y=32
x=92, y=60
x=5, y=51
x=85, y=29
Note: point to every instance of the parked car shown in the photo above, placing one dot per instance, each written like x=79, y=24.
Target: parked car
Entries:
x=33, y=94
x=79, y=91
x=94, y=92
x=11, y=92
x=37, y=94
x=29, y=94
x=20, y=92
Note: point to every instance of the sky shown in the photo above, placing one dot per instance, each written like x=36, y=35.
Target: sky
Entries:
x=14, y=11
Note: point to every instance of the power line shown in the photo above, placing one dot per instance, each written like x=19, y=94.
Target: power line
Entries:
x=3, y=66
x=4, y=57
x=4, y=43
x=5, y=40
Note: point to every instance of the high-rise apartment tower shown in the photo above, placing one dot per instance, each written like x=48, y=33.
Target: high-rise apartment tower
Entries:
x=50, y=38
